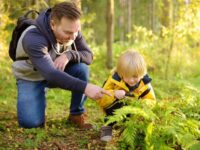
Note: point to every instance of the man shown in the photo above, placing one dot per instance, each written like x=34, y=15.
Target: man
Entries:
x=53, y=53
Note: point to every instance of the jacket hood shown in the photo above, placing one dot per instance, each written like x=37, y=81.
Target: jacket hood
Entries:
x=43, y=24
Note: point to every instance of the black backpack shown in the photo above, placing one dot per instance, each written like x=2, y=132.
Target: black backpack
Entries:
x=22, y=23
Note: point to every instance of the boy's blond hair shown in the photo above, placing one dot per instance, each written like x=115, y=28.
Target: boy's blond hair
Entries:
x=131, y=64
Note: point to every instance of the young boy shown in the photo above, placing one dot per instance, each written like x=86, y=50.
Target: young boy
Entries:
x=129, y=79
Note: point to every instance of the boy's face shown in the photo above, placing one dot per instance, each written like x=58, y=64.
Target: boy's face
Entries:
x=131, y=81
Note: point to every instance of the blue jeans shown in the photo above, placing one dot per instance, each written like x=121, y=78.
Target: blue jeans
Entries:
x=31, y=101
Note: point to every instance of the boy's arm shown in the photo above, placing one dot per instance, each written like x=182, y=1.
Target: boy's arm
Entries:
x=107, y=100
x=150, y=94
x=149, y=98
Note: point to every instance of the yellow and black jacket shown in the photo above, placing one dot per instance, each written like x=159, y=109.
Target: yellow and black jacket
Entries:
x=142, y=90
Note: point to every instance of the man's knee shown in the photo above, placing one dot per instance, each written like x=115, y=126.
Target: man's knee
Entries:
x=79, y=70
x=81, y=67
x=31, y=119
x=31, y=123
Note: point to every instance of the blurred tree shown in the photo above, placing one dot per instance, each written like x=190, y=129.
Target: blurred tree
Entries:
x=129, y=19
x=121, y=27
x=110, y=32
x=77, y=2
x=167, y=13
x=95, y=13
x=152, y=15
x=170, y=24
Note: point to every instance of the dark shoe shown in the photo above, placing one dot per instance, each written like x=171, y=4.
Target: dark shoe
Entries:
x=106, y=133
x=79, y=120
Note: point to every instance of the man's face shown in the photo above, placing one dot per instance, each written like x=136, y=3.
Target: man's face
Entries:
x=66, y=30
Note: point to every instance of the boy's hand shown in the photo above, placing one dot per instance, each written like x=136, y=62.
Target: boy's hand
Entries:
x=120, y=94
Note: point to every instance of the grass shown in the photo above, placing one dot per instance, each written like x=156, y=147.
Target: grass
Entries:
x=58, y=132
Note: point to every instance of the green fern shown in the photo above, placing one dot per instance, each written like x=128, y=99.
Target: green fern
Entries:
x=166, y=126
x=129, y=134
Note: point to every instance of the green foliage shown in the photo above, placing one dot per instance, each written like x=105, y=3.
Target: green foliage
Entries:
x=172, y=55
x=168, y=125
x=34, y=137
x=95, y=12
x=174, y=50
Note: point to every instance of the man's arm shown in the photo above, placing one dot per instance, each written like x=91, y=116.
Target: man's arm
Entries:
x=83, y=50
x=36, y=46
x=37, y=49
x=95, y=92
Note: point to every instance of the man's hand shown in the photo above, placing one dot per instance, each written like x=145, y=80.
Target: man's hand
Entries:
x=95, y=92
x=61, y=61
x=120, y=94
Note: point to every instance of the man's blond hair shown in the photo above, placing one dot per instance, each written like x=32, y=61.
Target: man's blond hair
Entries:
x=131, y=64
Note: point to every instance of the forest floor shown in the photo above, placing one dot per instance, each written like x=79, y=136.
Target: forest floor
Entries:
x=58, y=132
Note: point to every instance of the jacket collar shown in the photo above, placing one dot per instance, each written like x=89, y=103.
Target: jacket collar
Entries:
x=116, y=79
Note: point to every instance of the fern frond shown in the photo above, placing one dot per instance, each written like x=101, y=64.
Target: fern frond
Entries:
x=121, y=114
x=148, y=136
x=129, y=135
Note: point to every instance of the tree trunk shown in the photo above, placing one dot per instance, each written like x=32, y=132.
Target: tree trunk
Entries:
x=122, y=19
x=129, y=15
x=110, y=28
x=171, y=46
x=78, y=3
x=126, y=18
x=152, y=15
x=165, y=14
